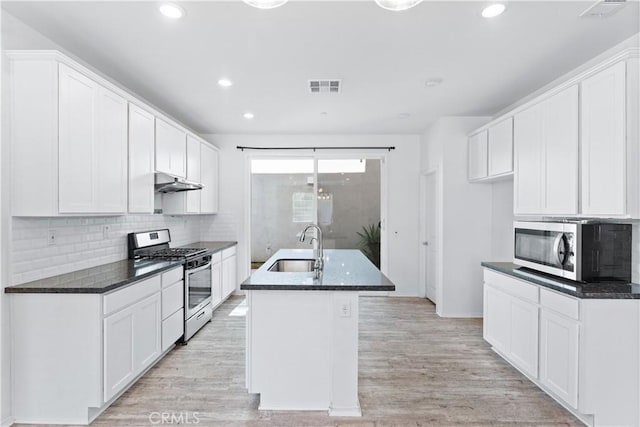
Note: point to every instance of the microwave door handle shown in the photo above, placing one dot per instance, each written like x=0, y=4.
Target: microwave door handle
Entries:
x=556, y=249
x=195, y=270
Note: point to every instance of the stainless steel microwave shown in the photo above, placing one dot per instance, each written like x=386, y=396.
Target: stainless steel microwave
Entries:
x=583, y=251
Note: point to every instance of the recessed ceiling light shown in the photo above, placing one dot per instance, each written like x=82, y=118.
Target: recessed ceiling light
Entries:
x=433, y=82
x=248, y=115
x=265, y=4
x=323, y=113
x=397, y=5
x=404, y=115
x=493, y=10
x=225, y=82
x=171, y=10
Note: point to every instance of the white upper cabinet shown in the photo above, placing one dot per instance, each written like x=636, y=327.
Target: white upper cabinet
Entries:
x=171, y=149
x=501, y=148
x=603, y=152
x=209, y=175
x=193, y=174
x=477, y=156
x=92, y=146
x=141, y=160
x=546, y=156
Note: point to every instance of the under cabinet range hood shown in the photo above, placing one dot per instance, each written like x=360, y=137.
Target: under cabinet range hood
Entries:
x=166, y=183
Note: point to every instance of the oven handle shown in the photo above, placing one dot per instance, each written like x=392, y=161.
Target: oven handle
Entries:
x=195, y=270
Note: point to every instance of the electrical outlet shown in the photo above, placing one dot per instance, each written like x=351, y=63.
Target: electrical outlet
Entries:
x=52, y=237
x=268, y=249
x=345, y=309
x=105, y=232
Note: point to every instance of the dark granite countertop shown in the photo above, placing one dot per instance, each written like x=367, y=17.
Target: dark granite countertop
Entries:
x=605, y=290
x=96, y=280
x=107, y=277
x=344, y=270
x=212, y=247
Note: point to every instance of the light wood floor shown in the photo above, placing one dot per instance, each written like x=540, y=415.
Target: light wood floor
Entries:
x=415, y=369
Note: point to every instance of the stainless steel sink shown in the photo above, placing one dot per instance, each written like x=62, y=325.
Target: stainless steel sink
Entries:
x=293, y=265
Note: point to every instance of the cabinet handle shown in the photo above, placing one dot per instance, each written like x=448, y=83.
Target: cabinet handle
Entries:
x=200, y=315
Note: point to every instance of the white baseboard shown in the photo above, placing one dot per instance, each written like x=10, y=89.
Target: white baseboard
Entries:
x=462, y=315
x=7, y=421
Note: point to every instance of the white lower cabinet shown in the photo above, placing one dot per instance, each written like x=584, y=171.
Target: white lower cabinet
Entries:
x=131, y=343
x=109, y=340
x=559, y=355
x=582, y=352
x=229, y=272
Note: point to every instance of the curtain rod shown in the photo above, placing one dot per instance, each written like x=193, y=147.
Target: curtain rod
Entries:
x=240, y=147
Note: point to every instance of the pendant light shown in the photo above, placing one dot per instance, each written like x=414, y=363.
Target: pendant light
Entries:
x=265, y=4
x=397, y=5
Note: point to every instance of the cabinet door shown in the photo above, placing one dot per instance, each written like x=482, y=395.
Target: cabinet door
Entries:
x=228, y=276
x=209, y=174
x=603, y=142
x=559, y=355
x=501, y=148
x=528, y=161
x=497, y=322
x=560, y=126
x=193, y=174
x=147, y=335
x=477, y=156
x=77, y=116
x=524, y=336
x=110, y=159
x=119, y=368
x=171, y=150
x=216, y=283
x=141, y=152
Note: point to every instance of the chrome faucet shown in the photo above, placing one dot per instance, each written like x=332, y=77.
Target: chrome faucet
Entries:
x=318, y=265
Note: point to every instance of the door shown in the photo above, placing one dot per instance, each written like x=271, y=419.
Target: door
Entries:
x=229, y=273
x=604, y=142
x=111, y=153
x=430, y=242
x=147, y=337
x=209, y=174
x=559, y=355
x=497, y=319
x=477, y=156
x=524, y=336
x=501, y=148
x=171, y=150
x=77, y=133
x=193, y=174
x=141, y=152
x=528, y=149
x=560, y=128
x=119, y=367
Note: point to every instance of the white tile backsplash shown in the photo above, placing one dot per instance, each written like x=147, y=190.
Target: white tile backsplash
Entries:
x=82, y=242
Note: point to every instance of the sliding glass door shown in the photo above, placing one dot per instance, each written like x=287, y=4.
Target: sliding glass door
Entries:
x=341, y=195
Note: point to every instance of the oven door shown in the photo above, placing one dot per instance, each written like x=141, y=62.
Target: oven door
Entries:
x=197, y=289
x=543, y=246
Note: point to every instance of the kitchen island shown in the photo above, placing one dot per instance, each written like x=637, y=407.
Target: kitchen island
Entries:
x=302, y=331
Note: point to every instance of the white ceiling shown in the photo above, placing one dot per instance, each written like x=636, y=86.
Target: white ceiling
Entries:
x=382, y=57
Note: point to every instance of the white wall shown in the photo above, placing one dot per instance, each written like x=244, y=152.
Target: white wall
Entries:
x=402, y=203
x=465, y=231
x=502, y=220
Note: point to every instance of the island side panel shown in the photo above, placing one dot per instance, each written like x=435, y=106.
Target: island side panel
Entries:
x=290, y=349
x=344, y=389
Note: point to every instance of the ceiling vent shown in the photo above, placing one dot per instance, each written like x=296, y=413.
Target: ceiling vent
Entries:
x=603, y=8
x=325, y=86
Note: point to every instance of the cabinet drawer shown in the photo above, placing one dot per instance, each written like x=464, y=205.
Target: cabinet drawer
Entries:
x=172, y=298
x=172, y=276
x=127, y=296
x=172, y=329
x=228, y=252
x=515, y=287
x=217, y=257
x=563, y=304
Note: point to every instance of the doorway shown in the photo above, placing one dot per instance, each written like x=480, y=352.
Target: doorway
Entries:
x=429, y=236
x=340, y=194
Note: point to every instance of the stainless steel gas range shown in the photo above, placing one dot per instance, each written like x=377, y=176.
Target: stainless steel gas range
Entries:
x=197, y=274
